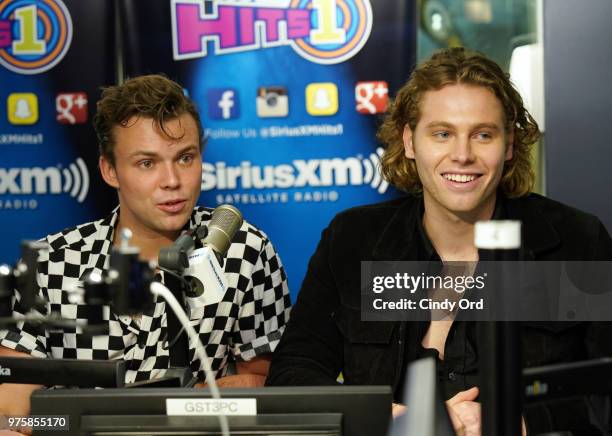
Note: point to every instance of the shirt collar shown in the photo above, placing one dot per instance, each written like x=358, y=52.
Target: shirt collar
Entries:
x=109, y=224
x=426, y=248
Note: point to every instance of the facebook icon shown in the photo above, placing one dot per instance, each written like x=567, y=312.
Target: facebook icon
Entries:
x=223, y=104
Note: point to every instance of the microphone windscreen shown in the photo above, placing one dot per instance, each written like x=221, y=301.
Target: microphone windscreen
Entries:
x=224, y=223
x=497, y=235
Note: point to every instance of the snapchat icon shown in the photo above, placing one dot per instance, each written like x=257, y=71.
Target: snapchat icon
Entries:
x=22, y=108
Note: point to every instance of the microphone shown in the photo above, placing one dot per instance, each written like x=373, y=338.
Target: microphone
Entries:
x=224, y=223
x=7, y=284
x=129, y=279
x=175, y=257
x=205, y=272
x=498, y=240
x=499, y=342
x=23, y=278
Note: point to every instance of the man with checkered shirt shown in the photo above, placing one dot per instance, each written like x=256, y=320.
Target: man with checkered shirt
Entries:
x=150, y=139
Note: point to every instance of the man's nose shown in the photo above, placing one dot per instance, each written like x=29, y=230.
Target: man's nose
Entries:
x=462, y=151
x=170, y=178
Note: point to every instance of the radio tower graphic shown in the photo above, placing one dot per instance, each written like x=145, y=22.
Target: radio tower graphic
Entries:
x=372, y=171
x=76, y=180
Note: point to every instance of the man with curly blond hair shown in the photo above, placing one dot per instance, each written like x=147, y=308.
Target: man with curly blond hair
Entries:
x=458, y=141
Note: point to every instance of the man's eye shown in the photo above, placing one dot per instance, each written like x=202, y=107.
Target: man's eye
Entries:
x=145, y=164
x=187, y=158
x=442, y=135
x=483, y=136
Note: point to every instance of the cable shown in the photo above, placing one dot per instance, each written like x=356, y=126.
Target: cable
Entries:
x=160, y=290
x=167, y=346
x=176, y=275
x=188, y=286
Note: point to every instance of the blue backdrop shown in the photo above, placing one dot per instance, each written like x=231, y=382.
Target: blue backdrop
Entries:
x=291, y=93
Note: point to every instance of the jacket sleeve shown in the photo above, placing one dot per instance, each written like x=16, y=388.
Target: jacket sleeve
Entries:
x=586, y=415
x=598, y=340
x=310, y=350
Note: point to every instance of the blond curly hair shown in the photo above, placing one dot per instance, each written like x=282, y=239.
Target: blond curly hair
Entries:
x=458, y=66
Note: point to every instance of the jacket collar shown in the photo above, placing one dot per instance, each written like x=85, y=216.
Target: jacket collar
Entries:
x=539, y=235
x=399, y=236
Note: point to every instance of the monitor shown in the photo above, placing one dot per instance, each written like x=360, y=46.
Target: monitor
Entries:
x=562, y=380
x=325, y=410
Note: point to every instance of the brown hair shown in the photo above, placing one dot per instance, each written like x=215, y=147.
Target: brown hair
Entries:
x=458, y=66
x=153, y=96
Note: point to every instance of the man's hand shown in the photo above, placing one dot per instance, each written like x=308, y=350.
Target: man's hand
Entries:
x=15, y=398
x=399, y=409
x=251, y=374
x=469, y=412
x=464, y=409
x=238, y=381
x=4, y=431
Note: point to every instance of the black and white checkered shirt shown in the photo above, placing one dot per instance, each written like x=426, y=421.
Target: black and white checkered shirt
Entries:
x=247, y=322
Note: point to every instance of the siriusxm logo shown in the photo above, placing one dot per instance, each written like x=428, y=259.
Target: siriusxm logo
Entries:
x=73, y=180
x=297, y=174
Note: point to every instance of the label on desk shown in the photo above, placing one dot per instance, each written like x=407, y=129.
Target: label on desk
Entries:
x=210, y=406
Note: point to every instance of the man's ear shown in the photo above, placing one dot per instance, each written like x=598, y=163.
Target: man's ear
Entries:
x=509, y=145
x=408, y=145
x=108, y=172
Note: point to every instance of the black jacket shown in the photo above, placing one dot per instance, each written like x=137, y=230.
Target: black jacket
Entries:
x=325, y=335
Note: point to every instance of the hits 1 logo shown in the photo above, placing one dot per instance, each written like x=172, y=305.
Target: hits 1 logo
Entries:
x=372, y=97
x=71, y=108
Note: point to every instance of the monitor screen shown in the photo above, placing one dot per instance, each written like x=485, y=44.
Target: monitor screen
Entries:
x=326, y=410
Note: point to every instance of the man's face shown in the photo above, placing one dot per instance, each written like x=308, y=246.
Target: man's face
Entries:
x=158, y=178
x=459, y=146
